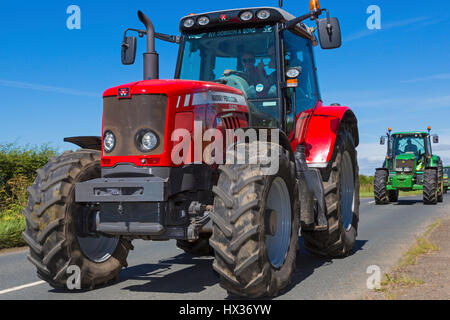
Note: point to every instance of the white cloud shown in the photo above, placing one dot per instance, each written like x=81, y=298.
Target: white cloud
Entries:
x=44, y=88
x=441, y=76
x=384, y=26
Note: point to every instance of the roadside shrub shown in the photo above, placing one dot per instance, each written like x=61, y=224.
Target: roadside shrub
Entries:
x=17, y=171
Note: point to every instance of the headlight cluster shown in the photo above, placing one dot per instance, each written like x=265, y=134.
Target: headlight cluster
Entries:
x=145, y=140
x=404, y=170
x=244, y=16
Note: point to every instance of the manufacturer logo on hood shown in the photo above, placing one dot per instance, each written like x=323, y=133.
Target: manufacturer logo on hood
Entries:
x=123, y=93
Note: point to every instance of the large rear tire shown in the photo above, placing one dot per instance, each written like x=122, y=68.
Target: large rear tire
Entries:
x=430, y=186
x=440, y=197
x=341, y=185
x=251, y=262
x=379, y=187
x=52, y=230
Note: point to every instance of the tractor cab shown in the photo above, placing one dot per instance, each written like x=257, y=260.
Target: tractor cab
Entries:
x=265, y=52
x=412, y=149
x=254, y=51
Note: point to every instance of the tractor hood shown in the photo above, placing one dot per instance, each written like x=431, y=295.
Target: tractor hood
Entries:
x=167, y=87
x=161, y=106
x=406, y=156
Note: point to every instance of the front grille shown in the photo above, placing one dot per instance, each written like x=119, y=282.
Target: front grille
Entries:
x=231, y=122
x=125, y=117
x=404, y=166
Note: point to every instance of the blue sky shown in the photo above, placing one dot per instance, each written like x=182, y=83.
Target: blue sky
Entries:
x=52, y=78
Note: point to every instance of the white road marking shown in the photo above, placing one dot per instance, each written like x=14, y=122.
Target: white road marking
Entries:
x=22, y=287
x=372, y=202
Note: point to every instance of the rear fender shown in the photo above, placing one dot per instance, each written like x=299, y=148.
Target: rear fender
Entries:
x=322, y=132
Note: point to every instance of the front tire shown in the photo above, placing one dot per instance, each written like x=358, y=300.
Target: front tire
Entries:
x=393, y=195
x=379, y=187
x=250, y=262
x=52, y=230
x=342, y=201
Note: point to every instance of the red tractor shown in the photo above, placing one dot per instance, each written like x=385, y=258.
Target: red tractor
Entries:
x=239, y=72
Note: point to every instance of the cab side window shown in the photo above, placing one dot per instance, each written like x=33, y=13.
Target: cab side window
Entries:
x=298, y=53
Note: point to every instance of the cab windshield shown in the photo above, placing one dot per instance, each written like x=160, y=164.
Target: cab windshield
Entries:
x=409, y=144
x=447, y=171
x=240, y=58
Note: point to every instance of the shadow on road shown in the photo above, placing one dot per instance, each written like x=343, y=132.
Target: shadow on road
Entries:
x=159, y=277
x=409, y=202
x=306, y=264
x=196, y=274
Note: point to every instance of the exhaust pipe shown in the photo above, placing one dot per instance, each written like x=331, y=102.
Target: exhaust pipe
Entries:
x=151, y=58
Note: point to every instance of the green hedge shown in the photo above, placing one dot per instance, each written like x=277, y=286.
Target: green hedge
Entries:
x=17, y=171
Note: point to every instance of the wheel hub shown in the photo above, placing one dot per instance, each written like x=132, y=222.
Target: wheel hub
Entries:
x=278, y=222
x=271, y=222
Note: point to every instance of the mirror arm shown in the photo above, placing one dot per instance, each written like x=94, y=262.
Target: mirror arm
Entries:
x=140, y=32
x=160, y=36
x=313, y=15
x=167, y=38
x=291, y=23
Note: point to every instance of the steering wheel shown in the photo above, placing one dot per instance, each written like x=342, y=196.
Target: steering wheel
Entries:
x=236, y=81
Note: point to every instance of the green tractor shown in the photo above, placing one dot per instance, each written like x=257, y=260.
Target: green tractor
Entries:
x=410, y=165
x=446, y=175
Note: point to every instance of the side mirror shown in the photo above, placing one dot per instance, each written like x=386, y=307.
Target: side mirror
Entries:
x=329, y=33
x=435, y=139
x=382, y=140
x=129, y=50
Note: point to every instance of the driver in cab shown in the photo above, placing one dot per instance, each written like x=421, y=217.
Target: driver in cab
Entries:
x=255, y=76
x=410, y=147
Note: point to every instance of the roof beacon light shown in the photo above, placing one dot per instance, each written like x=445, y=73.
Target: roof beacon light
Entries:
x=429, y=128
x=314, y=5
x=390, y=129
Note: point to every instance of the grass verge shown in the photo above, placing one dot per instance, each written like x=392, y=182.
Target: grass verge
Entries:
x=399, y=278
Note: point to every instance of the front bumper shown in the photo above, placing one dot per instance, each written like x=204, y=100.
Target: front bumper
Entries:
x=405, y=182
x=148, y=189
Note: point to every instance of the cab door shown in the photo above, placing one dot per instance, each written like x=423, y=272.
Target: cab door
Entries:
x=297, y=52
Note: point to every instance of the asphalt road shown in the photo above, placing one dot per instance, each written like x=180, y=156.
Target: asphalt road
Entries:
x=159, y=270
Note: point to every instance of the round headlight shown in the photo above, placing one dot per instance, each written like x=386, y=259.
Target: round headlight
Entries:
x=188, y=23
x=263, y=14
x=109, y=141
x=146, y=140
x=246, y=16
x=203, y=21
